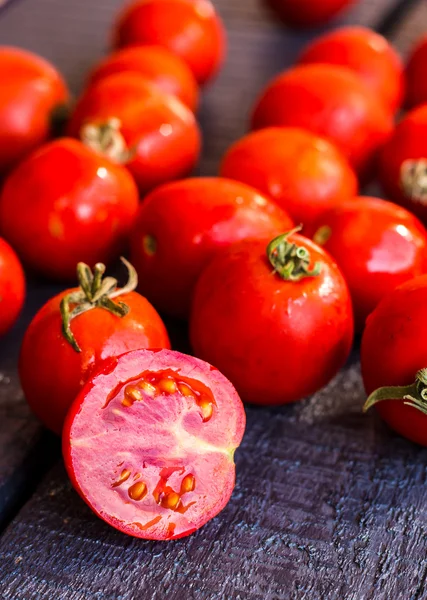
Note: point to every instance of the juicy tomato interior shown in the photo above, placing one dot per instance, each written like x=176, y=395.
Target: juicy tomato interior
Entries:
x=152, y=452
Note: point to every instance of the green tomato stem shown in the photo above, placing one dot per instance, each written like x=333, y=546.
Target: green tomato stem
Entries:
x=290, y=261
x=414, y=395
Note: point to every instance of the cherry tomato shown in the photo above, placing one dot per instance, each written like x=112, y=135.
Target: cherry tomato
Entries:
x=159, y=65
x=31, y=91
x=403, y=163
x=330, y=101
x=191, y=29
x=133, y=122
x=180, y=473
x=308, y=13
x=278, y=326
x=76, y=330
x=416, y=80
x=368, y=54
x=394, y=354
x=12, y=287
x=377, y=245
x=302, y=172
x=66, y=203
x=181, y=225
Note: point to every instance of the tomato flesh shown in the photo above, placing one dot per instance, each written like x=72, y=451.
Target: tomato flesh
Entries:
x=143, y=452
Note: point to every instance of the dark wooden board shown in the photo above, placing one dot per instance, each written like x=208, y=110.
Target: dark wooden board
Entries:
x=328, y=503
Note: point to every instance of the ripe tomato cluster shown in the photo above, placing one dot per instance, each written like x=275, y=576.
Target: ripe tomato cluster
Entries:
x=274, y=263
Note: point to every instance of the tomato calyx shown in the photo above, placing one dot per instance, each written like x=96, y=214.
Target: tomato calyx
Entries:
x=95, y=292
x=414, y=395
x=290, y=261
x=413, y=179
x=106, y=138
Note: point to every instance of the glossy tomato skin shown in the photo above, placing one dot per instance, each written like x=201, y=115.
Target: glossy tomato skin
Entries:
x=393, y=350
x=168, y=482
x=416, y=80
x=408, y=142
x=377, y=245
x=12, y=287
x=161, y=133
x=52, y=372
x=308, y=13
x=159, y=65
x=66, y=204
x=181, y=225
x=368, y=54
x=31, y=90
x=332, y=102
x=191, y=29
x=303, y=173
x=278, y=341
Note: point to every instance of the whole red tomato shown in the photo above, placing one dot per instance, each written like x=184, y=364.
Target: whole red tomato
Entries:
x=377, y=245
x=308, y=13
x=159, y=65
x=368, y=54
x=305, y=174
x=181, y=225
x=416, y=80
x=177, y=475
x=332, y=102
x=12, y=287
x=394, y=360
x=66, y=203
x=191, y=29
x=280, y=325
x=31, y=91
x=76, y=330
x=132, y=122
x=403, y=163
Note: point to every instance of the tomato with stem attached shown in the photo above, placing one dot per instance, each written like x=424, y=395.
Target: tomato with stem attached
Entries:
x=76, y=330
x=12, y=287
x=149, y=443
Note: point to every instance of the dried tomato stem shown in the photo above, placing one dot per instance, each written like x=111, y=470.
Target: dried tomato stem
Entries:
x=290, y=261
x=414, y=395
x=413, y=179
x=94, y=292
x=106, y=138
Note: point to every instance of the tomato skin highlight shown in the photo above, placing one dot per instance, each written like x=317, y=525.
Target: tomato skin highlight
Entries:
x=303, y=173
x=155, y=63
x=160, y=133
x=416, y=75
x=181, y=456
x=191, y=29
x=368, y=54
x=31, y=91
x=393, y=350
x=377, y=245
x=12, y=287
x=189, y=221
x=72, y=204
x=279, y=340
x=307, y=13
x=331, y=101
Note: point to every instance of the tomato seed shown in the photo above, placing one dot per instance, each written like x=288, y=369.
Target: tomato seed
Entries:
x=124, y=475
x=148, y=388
x=133, y=394
x=171, y=500
x=137, y=491
x=188, y=484
x=168, y=386
x=207, y=409
x=185, y=390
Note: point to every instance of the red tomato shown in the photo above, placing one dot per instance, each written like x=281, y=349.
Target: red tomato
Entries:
x=368, y=54
x=191, y=29
x=403, y=163
x=76, y=330
x=377, y=245
x=31, y=90
x=159, y=65
x=181, y=225
x=133, y=122
x=66, y=203
x=279, y=326
x=302, y=172
x=180, y=473
x=12, y=287
x=331, y=101
x=416, y=75
x=308, y=13
x=394, y=353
